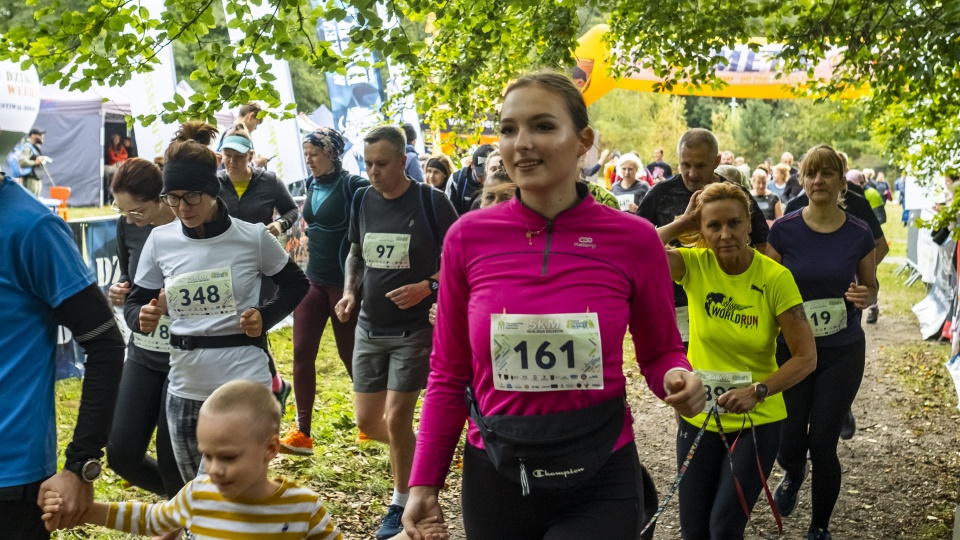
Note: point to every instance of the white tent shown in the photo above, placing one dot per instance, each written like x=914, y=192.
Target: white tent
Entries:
x=75, y=123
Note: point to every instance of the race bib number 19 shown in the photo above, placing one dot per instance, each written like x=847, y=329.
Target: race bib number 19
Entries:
x=158, y=340
x=826, y=316
x=205, y=293
x=546, y=353
x=387, y=251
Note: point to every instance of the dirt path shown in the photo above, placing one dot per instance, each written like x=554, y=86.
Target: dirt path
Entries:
x=900, y=470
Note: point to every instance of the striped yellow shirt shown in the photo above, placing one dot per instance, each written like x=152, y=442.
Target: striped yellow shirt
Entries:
x=292, y=513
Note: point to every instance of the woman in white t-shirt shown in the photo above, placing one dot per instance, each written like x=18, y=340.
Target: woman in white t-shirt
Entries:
x=209, y=267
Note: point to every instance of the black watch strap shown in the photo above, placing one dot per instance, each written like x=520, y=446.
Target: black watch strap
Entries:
x=762, y=391
x=434, y=284
x=88, y=470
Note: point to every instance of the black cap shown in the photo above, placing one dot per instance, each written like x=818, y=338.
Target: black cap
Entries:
x=36, y=131
x=480, y=159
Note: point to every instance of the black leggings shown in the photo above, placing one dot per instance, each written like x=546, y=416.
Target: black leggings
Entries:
x=710, y=508
x=609, y=506
x=141, y=407
x=815, y=412
x=709, y=505
x=19, y=513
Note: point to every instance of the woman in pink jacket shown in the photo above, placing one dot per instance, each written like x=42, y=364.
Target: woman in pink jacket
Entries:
x=535, y=297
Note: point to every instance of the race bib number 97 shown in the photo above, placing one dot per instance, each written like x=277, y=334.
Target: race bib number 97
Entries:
x=826, y=316
x=386, y=251
x=546, y=353
x=205, y=293
x=718, y=383
x=158, y=340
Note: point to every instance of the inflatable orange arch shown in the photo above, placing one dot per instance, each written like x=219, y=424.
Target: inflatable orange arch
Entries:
x=748, y=74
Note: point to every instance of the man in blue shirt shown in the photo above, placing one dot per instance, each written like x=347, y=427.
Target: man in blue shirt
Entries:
x=413, y=168
x=44, y=283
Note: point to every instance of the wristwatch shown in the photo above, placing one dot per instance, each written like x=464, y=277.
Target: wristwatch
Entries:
x=434, y=284
x=761, y=390
x=88, y=470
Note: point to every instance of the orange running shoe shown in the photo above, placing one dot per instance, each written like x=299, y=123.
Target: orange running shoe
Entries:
x=297, y=443
x=363, y=437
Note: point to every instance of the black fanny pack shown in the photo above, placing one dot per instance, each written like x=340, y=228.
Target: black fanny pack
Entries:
x=550, y=451
x=189, y=343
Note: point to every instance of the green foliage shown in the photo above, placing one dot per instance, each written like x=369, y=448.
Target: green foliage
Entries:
x=699, y=110
x=755, y=130
x=634, y=121
x=844, y=125
x=723, y=124
x=906, y=54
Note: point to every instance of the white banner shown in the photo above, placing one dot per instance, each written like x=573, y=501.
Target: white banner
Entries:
x=278, y=140
x=19, y=102
x=148, y=92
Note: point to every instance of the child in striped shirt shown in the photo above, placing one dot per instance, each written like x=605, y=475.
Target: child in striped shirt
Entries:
x=238, y=433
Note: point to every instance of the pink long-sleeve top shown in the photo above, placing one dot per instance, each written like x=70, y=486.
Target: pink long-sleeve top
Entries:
x=510, y=259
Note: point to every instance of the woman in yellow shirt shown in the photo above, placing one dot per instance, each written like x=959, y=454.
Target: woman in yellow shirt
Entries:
x=739, y=301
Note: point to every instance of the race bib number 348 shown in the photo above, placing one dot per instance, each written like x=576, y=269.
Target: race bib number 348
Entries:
x=205, y=293
x=545, y=353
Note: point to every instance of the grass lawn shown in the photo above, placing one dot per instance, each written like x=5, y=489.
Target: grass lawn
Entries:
x=894, y=231
x=81, y=212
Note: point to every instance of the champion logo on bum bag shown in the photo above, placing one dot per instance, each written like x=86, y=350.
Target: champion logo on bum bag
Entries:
x=540, y=473
x=560, y=450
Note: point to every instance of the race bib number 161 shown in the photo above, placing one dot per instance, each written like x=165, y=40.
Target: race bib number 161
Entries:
x=545, y=353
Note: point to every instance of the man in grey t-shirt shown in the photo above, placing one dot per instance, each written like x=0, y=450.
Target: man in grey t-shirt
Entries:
x=396, y=231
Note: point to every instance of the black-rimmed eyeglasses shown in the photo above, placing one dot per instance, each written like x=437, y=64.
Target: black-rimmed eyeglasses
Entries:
x=192, y=198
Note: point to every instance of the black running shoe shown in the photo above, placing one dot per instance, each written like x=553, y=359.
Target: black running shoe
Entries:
x=849, y=427
x=818, y=534
x=283, y=395
x=785, y=496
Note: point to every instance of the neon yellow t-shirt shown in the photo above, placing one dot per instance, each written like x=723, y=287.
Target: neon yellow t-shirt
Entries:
x=241, y=187
x=734, y=328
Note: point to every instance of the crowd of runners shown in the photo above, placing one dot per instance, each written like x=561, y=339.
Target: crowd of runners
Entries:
x=505, y=289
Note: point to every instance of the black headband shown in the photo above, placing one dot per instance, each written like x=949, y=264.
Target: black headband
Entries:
x=190, y=175
x=434, y=163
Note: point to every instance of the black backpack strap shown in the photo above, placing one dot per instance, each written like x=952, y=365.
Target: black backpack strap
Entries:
x=462, y=189
x=429, y=208
x=357, y=204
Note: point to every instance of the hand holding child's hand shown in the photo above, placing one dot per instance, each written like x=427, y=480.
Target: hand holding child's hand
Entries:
x=433, y=529
x=51, y=505
x=70, y=497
